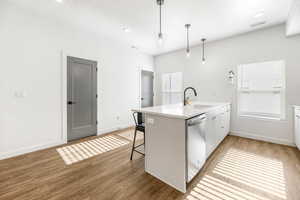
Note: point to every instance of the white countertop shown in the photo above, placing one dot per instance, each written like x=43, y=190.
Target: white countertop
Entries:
x=180, y=111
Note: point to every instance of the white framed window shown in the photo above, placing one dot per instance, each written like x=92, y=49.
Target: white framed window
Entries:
x=261, y=90
x=172, y=88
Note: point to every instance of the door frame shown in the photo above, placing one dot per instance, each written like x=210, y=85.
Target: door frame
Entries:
x=140, y=71
x=64, y=91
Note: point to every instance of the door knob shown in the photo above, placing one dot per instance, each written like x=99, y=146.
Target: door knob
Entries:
x=71, y=102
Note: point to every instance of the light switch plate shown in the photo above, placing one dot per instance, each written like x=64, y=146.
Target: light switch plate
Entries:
x=20, y=94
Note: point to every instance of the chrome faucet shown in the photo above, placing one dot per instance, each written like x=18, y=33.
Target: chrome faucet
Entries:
x=184, y=94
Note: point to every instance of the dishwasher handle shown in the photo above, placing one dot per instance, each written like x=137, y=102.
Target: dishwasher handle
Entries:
x=196, y=121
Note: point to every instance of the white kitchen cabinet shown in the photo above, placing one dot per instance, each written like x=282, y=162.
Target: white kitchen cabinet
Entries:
x=166, y=82
x=220, y=130
x=176, y=82
x=173, y=139
x=172, y=88
x=227, y=119
x=224, y=123
x=218, y=126
x=297, y=127
x=211, y=133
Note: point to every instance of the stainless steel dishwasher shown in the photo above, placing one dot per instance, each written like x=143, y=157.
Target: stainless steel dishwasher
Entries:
x=196, y=147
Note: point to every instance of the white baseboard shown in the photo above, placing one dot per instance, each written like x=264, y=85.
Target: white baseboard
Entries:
x=109, y=130
x=262, y=138
x=22, y=151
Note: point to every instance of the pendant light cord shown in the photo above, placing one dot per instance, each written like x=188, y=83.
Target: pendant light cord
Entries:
x=203, y=51
x=188, y=40
x=187, y=26
x=160, y=18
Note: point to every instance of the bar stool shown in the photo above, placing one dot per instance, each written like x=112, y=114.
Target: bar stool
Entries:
x=139, y=126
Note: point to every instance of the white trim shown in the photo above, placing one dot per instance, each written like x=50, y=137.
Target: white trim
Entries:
x=106, y=130
x=29, y=149
x=260, y=116
x=109, y=130
x=26, y=150
x=281, y=90
x=64, y=113
x=262, y=138
x=139, y=71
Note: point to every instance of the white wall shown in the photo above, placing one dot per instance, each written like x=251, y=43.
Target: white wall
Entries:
x=211, y=79
x=31, y=65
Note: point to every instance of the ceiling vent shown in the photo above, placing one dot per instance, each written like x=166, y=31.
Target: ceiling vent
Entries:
x=257, y=24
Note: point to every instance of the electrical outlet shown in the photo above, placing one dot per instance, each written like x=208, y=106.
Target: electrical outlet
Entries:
x=150, y=121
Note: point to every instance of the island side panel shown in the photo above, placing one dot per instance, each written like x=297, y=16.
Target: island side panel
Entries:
x=165, y=150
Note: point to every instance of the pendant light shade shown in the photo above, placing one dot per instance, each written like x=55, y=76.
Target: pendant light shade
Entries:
x=160, y=35
x=188, y=50
x=203, y=53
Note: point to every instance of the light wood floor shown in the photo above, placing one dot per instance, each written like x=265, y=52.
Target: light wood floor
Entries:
x=239, y=169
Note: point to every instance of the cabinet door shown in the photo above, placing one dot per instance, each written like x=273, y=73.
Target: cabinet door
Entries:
x=211, y=134
x=166, y=83
x=220, y=127
x=217, y=128
x=227, y=121
x=176, y=82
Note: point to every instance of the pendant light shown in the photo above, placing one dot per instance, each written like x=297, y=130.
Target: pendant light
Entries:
x=203, y=58
x=188, y=50
x=160, y=35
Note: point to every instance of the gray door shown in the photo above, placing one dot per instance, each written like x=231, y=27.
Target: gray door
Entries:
x=82, y=98
x=147, y=88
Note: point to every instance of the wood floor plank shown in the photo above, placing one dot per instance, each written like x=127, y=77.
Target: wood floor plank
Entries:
x=234, y=171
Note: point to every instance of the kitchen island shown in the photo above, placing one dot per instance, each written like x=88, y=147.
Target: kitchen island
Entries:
x=180, y=138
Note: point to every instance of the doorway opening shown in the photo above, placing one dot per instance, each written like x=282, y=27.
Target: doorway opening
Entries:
x=147, y=89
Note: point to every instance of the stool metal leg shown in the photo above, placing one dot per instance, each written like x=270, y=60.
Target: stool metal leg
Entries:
x=133, y=145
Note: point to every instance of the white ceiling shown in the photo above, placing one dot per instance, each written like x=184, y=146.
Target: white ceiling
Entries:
x=212, y=19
